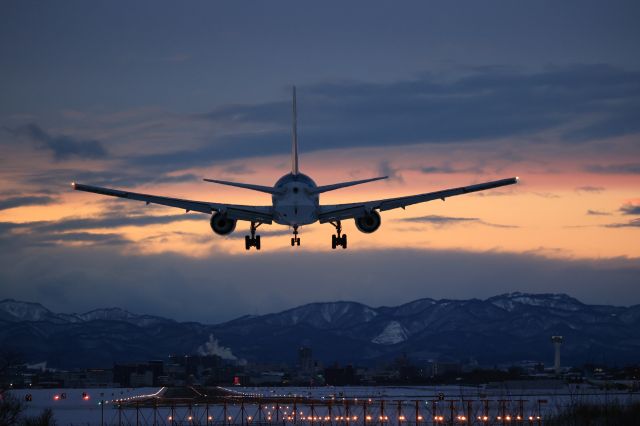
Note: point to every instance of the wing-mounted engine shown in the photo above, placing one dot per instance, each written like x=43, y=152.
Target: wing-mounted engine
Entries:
x=368, y=223
x=221, y=224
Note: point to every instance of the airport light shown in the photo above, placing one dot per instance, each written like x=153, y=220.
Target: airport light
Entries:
x=368, y=418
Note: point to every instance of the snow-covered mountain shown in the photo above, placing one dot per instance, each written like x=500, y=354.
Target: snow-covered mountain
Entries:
x=13, y=310
x=16, y=311
x=507, y=327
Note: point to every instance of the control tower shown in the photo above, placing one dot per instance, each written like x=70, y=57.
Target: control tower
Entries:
x=557, y=342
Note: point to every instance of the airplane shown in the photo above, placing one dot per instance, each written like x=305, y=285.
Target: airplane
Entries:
x=295, y=202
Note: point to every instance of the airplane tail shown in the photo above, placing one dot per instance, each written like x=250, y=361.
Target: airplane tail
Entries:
x=294, y=137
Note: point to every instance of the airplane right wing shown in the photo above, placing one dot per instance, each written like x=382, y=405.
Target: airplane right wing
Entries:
x=355, y=210
x=262, y=214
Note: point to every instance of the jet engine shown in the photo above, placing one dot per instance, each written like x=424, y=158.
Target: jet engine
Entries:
x=368, y=223
x=221, y=224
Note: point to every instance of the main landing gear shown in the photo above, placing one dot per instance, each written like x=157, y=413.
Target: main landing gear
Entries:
x=253, y=240
x=295, y=240
x=338, y=240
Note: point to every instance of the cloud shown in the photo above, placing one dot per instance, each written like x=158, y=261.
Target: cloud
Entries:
x=478, y=107
x=119, y=177
x=634, y=223
x=221, y=287
x=614, y=169
x=72, y=224
x=632, y=209
x=385, y=169
x=597, y=213
x=23, y=235
x=62, y=146
x=441, y=221
x=13, y=202
x=590, y=189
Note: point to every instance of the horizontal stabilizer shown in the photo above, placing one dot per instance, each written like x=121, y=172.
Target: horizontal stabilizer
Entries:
x=260, y=188
x=334, y=186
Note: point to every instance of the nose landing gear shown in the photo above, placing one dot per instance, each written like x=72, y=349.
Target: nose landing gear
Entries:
x=295, y=240
x=253, y=240
x=338, y=240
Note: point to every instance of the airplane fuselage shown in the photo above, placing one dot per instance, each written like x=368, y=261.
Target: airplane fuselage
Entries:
x=294, y=203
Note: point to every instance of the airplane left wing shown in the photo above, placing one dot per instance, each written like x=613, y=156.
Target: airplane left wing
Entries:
x=262, y=214
x=354, y=210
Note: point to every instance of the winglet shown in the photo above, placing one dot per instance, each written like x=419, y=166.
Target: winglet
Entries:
x=294, y=137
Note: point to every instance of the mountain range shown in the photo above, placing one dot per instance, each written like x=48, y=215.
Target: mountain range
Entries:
x=506, y=328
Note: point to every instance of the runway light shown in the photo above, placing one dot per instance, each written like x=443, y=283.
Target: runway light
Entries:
x=56, y=397
x=189, y=418
x=210, y=418
x=419, y=418
x=170, y=418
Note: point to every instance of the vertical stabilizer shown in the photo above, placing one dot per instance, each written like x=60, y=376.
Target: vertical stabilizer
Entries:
x=294, y=137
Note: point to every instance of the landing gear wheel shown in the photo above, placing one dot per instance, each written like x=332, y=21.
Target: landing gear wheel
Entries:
x=252, y=240
x=338, y=239
x=295, y=240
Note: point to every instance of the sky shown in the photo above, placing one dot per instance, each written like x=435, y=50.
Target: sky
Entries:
x=153, y=96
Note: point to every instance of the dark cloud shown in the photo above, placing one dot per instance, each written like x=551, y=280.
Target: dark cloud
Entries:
x=118, y=177
x=220, y=286
x=62, y=146
x=480, y=106
x=440, y=221
x=22, y=236
x=635, y=223
x=597, y=213
x=385, y=169
x=591, y=189
x=438, y=169
x=614, y=169
x=81, y=237
x=72, y=224
x=633, y=209
x=10, y=203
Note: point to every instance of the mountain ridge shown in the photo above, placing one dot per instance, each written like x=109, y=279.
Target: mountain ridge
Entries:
x=342, y=331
